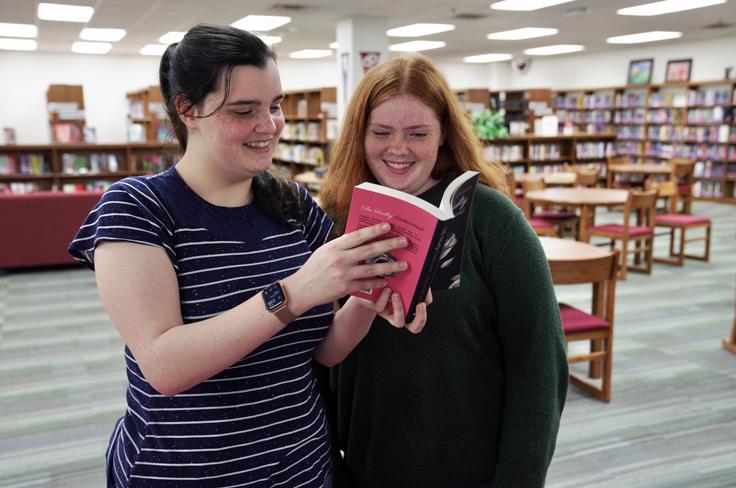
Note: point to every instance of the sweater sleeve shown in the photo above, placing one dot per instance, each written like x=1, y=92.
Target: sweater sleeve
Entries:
x=534, y=356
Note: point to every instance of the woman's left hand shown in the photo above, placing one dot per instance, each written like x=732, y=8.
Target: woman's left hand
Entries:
x=395, y=316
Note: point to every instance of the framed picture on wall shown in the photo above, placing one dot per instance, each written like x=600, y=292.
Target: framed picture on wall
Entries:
x=678, y=70
x=640, y=71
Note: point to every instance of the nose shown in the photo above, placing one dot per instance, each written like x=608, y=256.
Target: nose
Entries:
x=266, y=123
x=397, y=144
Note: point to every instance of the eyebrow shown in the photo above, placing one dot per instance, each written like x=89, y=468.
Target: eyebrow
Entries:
x=279, y=98
x=413, y=127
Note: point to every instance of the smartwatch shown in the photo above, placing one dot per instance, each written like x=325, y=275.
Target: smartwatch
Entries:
x=276, y=301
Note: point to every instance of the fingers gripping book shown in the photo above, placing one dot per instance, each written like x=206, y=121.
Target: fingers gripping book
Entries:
x=435, y=235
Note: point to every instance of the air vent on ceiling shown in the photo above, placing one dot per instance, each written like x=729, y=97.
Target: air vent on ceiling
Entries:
x=718, y=25
x=468, y=16
x=291, y=7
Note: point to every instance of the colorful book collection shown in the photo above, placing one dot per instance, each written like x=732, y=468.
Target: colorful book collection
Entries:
x=504, y=152
x=89, y=163
x=300, y=153
x=301, y=131
x=24, y=164
x=593, y=150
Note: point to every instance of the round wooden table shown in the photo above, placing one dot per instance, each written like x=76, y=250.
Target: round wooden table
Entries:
x=559, y=250
x=559, y=178
x=637, y=169
x=585, y=198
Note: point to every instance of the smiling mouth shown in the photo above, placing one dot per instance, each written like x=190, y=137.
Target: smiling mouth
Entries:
x=258, y=145
x=398, y=165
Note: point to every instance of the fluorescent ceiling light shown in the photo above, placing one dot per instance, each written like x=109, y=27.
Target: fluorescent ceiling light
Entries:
x=334, y=45
x=91, y=47
x=523, y=33
x=644, y=37
x=153, y=49
x=110, y=35
x=18, y=44
x=419, y=30
x=171, y=37
x=311, y=53
x=487, y=58
x=64, y=13
x=269, y=40
x=526, y=5
x=260, y=23
x=667, y=7
x=554, y=49
x=18, y=30
x=414, y=46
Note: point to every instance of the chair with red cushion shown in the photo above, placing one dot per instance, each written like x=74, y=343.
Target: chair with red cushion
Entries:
x=641, y=234
x=683, y=223
x=595, y=326
x=562, y=220
x=683, y=172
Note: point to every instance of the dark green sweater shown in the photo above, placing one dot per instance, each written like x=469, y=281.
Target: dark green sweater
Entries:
x=477, y=395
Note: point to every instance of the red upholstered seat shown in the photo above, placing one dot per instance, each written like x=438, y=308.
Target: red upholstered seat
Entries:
x=681, y=219
x=619, y=229
x=551, y=214
x=575, y=320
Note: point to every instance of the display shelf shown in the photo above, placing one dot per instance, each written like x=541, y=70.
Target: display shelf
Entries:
x=657, y=122
x=311, y=124
x=80, y=167
x=65, y=104
x=147, y=119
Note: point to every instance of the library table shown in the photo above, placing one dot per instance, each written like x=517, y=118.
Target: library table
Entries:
x=647, y=169
x=558, y=178
x=584, y=198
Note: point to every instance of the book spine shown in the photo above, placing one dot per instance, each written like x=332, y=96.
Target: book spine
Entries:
x=429, y=268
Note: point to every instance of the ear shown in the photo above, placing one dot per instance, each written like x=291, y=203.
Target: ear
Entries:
x=187, y=112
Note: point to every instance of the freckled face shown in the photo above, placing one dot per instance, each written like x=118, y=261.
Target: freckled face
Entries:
x=241, y=137
x=401, y=144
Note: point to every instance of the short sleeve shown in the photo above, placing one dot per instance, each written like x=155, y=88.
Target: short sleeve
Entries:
x=129, y=211
x=317, y=225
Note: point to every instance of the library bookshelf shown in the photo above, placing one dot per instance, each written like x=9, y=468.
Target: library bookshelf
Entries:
x=657, y=122
x=311, y=124
x=79, y=167
x=147, y=119
x=539, y=154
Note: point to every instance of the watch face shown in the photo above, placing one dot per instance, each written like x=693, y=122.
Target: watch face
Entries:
x=273, y=296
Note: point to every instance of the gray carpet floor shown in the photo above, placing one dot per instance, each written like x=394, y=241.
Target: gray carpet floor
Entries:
x=671, y=422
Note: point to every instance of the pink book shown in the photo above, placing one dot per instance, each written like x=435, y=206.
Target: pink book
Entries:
x=436, y=235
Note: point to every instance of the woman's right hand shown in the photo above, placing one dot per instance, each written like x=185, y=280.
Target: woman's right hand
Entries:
x=335, y=269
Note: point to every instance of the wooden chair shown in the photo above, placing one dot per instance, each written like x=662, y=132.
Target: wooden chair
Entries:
x=611, y=181
x=641, y=233
x=560, y=220
x=730, y=343
x=586, y=177
x=596, y=326
x=682, y=223
x=683, y=172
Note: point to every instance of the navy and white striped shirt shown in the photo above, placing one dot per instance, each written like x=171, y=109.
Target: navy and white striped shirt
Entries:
x=260, y=422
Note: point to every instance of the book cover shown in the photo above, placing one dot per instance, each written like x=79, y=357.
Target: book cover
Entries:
x=435, y=235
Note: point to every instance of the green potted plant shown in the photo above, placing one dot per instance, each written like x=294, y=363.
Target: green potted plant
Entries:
x=490, y=124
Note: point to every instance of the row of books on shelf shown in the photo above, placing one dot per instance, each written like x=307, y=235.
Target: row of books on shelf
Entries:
x=24, y=164
x=515, y=152
x=137, y=132
x=709, y=169
x=302, y=131
x=155, y=162
x=685, y=150
x=715, y=133
x=20, y=188
x=595, y=116
x=300, y=153
x=591, y=149
x=713, y=189
x=83, y=163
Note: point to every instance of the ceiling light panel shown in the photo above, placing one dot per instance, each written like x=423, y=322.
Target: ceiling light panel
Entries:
x=18, y=30
x=554, y=49
x=261, y=23
x=269, y=40
x=109, y=35
x=526, y=5
x=171, y=37
x=415, y=46
x=153, y=49
x=419, y=30
x=644, y=37
x=311, y=53
x=81, y=47
x=667, y=7
x=64, y=13
x=18, y=44
x=523, y=33
x=487, y=58
x=334, y=45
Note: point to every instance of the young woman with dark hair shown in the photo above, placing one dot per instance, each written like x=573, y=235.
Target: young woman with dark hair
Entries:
x=221, y=282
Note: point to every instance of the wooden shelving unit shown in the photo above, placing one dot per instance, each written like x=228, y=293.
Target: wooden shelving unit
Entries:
x=537, y=154
x=474, y=99
x=66, y=113
x=311, y=124
x=656, y=122
x=147, y=120
x=79, y=167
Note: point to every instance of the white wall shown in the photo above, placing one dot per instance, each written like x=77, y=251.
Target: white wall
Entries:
x=24, y=78
x=710, y=58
